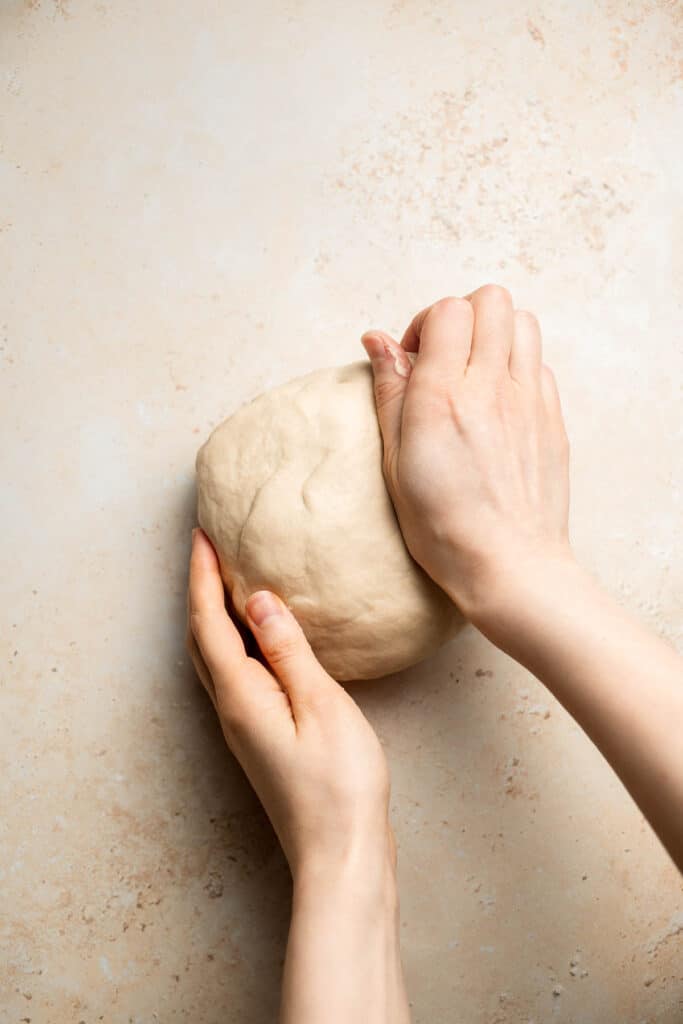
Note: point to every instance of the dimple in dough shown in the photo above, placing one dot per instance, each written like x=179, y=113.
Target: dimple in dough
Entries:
x=292, y=495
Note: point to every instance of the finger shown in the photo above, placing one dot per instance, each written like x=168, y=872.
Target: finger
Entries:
x=195, y=656
x=526, y=351
x=391, y=369
x=493, y=329
x=216, y=635
x=442, y=334
x=411, y=336
x=551, y=395
x=287, y=650
x=198, y=662
x=200, y=666
x=549, y=392
x=553, y=407
x=249, y=699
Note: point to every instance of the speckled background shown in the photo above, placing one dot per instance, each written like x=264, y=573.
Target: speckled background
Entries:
x=198, y=200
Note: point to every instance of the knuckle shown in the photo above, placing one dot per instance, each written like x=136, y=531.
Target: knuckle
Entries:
x=495, y=293
x=317, y=702
x=548, y=377
x=445, y=305
x=232, y=715
x=387, y=389
x=527, y=318
x=233, y=719
x=281, y=649
x=199, y=626
x=449, y=306
x=499, y=404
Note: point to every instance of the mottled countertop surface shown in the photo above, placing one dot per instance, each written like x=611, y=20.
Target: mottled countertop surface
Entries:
x=199, y=200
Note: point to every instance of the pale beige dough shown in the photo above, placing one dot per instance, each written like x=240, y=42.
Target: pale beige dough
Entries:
x=292, y=495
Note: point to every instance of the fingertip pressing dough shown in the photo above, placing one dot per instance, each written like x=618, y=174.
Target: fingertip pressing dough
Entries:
x=291, y=493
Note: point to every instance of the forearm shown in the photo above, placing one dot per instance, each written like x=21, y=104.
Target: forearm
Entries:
x=622, y=684
x=343, y=958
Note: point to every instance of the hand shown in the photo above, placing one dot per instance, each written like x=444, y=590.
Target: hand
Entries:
x=310, y=754
x=475, y=450
x=321, y=774
x=476, y=462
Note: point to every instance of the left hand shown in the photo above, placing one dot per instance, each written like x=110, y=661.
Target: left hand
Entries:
x=307, y=749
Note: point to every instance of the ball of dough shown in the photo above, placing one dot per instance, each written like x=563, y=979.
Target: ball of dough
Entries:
x=292, y=495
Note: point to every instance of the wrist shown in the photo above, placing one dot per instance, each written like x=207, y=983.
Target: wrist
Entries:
x=502, y=586
x=343, y=954
x=365, y=871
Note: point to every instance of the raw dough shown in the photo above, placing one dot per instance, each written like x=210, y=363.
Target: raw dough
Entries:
x=292, y=495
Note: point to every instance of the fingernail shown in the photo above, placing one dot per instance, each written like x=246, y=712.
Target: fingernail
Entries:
x=375, y=347
x=263, y=605
x=402, y=364
x=379, y=350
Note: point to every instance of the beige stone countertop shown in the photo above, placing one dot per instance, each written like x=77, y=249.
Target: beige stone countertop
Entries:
x=197, y=201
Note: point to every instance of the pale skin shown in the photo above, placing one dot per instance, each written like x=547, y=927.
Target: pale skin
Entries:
x=476, y=463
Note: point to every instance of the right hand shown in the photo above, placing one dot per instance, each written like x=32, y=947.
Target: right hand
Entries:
x=475, y=449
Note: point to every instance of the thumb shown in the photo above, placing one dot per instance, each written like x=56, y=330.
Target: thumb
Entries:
x=286, y=649
x=391, y=369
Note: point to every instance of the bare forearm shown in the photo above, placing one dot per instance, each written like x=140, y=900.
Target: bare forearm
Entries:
x=343, y=959
x=621, y=683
